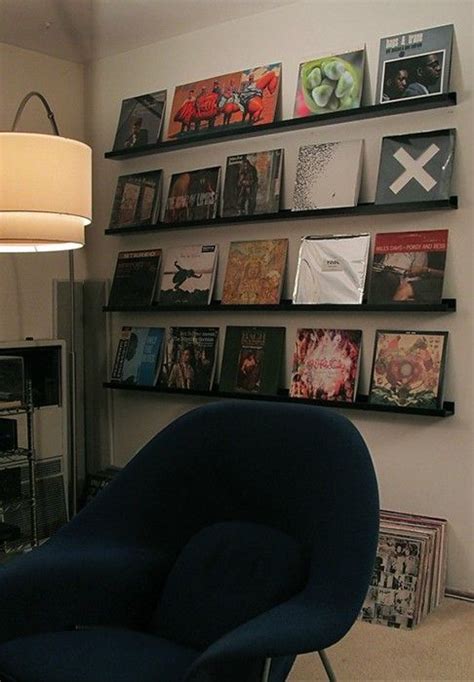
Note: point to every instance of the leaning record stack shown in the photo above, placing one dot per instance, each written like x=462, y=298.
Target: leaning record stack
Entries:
x=409, y=576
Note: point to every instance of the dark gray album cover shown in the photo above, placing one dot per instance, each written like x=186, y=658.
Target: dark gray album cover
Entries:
x=414, y=64
x=416, y=167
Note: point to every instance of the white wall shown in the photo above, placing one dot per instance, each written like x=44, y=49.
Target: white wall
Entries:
x=26, y=279
x=424, y=465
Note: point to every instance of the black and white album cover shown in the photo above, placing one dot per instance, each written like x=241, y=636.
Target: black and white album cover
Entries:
x=328, y=175
x=414, y=64
x=416, y=167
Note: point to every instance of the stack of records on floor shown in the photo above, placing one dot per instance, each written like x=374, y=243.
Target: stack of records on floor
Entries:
x=409, y=576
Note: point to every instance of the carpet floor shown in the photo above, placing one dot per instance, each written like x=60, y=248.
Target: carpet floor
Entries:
x=440, y=648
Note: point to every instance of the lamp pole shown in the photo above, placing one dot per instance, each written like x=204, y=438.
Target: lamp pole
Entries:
x=73, y=465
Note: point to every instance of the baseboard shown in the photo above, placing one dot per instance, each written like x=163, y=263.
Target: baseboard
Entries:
x=464, y=595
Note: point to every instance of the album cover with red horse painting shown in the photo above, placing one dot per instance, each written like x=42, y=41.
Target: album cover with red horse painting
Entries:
x=241, y=98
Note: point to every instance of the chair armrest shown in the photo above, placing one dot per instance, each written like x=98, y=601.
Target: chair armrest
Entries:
x=294, y=627
x=58, y=587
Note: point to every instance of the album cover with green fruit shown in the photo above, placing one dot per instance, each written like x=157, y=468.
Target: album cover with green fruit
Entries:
x=331, y=83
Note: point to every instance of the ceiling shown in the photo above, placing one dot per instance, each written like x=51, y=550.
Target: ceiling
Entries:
x=81, y=30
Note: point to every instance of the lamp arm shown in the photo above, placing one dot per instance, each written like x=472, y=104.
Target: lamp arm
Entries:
x=48, y=109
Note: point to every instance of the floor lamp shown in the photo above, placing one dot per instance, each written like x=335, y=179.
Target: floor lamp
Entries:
x=45, y=204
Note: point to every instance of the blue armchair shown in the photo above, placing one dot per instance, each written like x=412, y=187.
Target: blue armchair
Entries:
x=241, y=535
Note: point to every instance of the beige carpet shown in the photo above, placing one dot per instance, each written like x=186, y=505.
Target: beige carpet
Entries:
x=440, y=648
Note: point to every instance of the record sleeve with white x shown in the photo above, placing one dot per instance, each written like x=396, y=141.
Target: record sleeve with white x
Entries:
x=416, y=167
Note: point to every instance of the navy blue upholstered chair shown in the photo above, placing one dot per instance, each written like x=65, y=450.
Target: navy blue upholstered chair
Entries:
x=241, y=535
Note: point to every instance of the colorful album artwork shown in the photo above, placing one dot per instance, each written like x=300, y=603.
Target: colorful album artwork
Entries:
x=254, y=273
x=330, y=83
x=326, y=364
x=408, y=267
x=408, y=369
x=247, y=97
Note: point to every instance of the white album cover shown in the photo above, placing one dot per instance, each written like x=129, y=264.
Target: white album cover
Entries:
x=328, y=175
x=332, y=269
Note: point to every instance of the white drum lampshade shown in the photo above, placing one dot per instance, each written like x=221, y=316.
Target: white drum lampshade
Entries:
x=45, y=192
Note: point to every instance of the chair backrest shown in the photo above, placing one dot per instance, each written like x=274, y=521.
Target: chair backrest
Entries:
x=301, y=470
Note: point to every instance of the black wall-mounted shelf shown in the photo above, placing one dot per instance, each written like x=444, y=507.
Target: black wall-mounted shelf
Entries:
x=235, y=131
x=362, y=402
x=447, y=305
x=288, y=215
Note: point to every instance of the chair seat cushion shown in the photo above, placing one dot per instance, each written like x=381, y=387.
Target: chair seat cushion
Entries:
x=95, y=655
x=227, y=574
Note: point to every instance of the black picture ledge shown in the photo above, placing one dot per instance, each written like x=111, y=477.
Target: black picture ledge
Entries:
x=235, y=131
x=287, y=214
x=447, y=305
x=362, y=402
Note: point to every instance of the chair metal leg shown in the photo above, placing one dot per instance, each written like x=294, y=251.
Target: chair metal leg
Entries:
x=327, y=666
x=266, y=670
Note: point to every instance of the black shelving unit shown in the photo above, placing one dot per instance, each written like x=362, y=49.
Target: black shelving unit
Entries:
x=361, y=403
x=235, y=131
x=447, y=305
x=20, y=457
x=286, y=214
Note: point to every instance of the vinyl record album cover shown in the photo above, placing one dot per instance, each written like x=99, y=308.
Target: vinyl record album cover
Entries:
x=241, y=98
x=188, y=275
x=138, y=356
x=193, y=195
x=140, y=121
x=332, y=269
x=414, y=64
x=326, y=364
x=252, y=360
x=330, y=83
x=328, y=175
x=137, y=200
x=252, y=183
x=416, y=167
x=254, y=273
x=408, y=267
x=190, y=358
x=408, y=369
x=135, y=278
x=394, y=591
